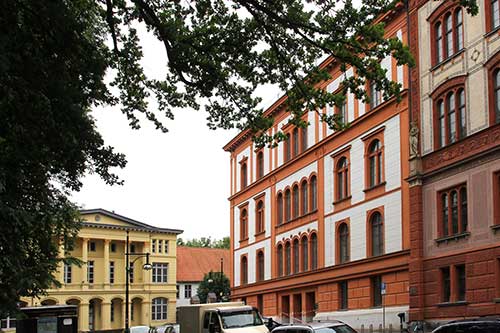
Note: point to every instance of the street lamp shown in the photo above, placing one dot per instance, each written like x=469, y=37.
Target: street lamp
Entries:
x=147, y=266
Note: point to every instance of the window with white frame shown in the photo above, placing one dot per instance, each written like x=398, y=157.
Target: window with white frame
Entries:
x=90, y=271
x=67, y=273
x=159, y=308
x=111, y=272
x=187, y=291
x=160, y=272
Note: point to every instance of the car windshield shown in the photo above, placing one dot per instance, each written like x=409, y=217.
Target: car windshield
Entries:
x=240, y=319
x=335, y=329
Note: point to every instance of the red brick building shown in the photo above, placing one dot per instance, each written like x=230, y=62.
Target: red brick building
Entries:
x=454, y=182
x=318, y=223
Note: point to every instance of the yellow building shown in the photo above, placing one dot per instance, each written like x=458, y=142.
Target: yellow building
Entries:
x=98, y=286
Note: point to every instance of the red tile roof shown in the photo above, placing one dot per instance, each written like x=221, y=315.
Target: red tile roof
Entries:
x=194, y=262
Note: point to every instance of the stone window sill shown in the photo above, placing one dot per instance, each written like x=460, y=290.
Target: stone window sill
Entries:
x=455, y=237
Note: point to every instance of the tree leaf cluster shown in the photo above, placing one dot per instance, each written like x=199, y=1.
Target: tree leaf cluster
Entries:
x=205, y=242
x=214, y=282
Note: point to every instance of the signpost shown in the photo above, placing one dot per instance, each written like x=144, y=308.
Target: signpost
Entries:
x=383, y=291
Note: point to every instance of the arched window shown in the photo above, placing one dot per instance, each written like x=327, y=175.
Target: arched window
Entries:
x=439, y=42
x=280, y=208
x=375, y=163
x=305, y=197
x=244, y=175
x=342, y=179
x=244, y=270
x=259, y=216
x=444, y=212
x=260, y=266
x=448, y=33
x=448, y=37
x=260, y=164
x=295, y=207
x=280, y=260
x=288, y=148
x=463, y=208
x=377, y=235
x=493, y=13
x=314, y=193
x=459, y=30
x=375, y=95
x=287, y=205
x=243, y=224
x=450, y=113
x=296, y=256
x=343, y=240
x=296, y=142
x=159, y=308
x=453, y=211
x=314, y=251
x=305, y=253
x=288, y=259
x=303, y=133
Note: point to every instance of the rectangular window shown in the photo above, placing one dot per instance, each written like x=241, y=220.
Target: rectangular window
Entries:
x=111, y=272
x=376, y=282
x=166, y=247
x=446, y=287
x=187, y=291
x=461, y=286
x=160, y=272
x=8, y=323
x=153, y=246
x=92, y=246
x=131, y=272
x=90, y=271
x=67, y=273
x=343, y=296
x=160, y=246
x=113, y=247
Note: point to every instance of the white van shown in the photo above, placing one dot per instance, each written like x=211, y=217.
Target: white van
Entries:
x=233, y=317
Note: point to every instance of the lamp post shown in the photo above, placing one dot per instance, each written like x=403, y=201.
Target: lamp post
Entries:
x=147, y=266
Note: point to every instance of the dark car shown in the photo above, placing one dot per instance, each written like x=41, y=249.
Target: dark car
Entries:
x=319, y=327
x=480, y=325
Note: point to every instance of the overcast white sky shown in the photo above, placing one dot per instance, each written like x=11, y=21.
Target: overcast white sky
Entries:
x=178, y=179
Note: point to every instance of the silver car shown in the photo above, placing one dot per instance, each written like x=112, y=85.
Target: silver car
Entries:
x=317, y=327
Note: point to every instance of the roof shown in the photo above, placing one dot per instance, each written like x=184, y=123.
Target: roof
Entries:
x=194, y=262
x=134, y=224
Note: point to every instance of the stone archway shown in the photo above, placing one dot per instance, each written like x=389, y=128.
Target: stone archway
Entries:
x=95, y=314
x=77, y=302
x=48, y=302
x=136, y=312
x=117, y=319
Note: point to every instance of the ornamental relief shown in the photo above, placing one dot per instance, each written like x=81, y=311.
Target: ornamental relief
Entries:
x=473, y=145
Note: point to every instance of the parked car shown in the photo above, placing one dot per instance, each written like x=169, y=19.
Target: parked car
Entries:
x=318, y=327
x=479, y=325
x=140, y=329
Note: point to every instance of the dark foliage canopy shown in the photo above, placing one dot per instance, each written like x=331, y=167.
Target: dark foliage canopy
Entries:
x=214, y=282
x=60, y=58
